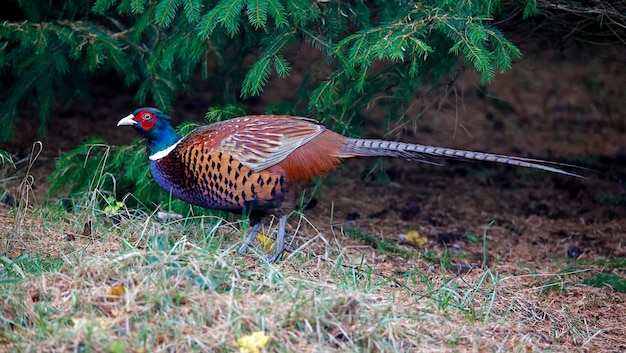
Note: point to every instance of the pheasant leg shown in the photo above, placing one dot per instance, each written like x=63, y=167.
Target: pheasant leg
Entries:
x=280, y=239
x=254, y=230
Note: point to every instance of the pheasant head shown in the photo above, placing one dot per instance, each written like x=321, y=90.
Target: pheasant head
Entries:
x=155, y=127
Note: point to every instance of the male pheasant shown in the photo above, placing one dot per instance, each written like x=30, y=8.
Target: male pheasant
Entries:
x=262, y=163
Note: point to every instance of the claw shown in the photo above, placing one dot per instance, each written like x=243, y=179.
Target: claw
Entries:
x=243, y=248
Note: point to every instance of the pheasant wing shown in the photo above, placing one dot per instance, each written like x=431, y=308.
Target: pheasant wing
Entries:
x=261, y=142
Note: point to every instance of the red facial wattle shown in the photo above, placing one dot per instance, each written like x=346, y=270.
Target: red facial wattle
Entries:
x=146, y=120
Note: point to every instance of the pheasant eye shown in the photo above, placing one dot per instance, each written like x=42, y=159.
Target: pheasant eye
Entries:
x=146, y=121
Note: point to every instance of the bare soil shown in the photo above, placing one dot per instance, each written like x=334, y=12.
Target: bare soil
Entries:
x=552, y=105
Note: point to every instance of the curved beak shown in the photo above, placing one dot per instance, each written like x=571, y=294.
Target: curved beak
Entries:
x=129, y=120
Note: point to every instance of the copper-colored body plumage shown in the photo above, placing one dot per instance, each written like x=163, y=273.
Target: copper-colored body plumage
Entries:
x=262, y=163
x=225, y=165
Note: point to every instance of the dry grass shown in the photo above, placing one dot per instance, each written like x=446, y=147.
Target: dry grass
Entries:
x=120, y=290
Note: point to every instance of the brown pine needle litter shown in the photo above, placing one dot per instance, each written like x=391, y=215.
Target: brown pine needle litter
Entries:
x=104, y=297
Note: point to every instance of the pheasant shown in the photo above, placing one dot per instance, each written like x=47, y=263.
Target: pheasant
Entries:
x=262, y=163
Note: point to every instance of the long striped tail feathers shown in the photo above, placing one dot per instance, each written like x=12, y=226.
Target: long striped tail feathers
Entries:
x=382, y=148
